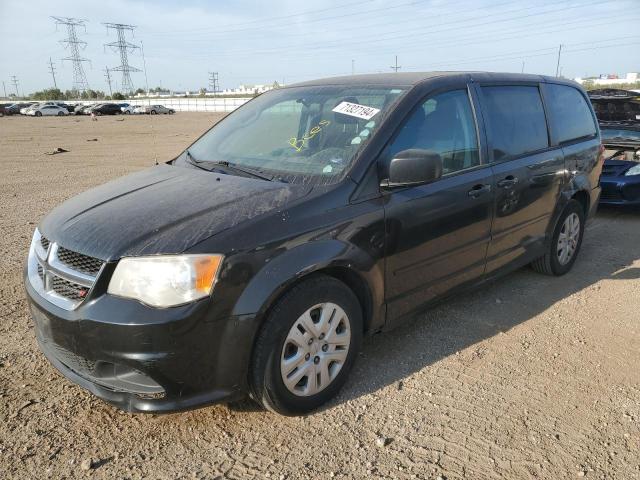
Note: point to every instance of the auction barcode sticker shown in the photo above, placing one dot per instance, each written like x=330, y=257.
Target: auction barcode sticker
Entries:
x=356, y=110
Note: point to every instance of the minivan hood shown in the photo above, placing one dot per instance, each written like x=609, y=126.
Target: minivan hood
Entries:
x=161, y=210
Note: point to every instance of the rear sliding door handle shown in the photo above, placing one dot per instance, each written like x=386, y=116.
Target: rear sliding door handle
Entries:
x=508, y=182
x=478, y=190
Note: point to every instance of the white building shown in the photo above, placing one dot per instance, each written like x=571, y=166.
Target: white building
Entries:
x=611, y=80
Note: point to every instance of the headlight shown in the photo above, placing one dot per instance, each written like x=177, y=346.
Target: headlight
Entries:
x=633, y=171
x=165, y=281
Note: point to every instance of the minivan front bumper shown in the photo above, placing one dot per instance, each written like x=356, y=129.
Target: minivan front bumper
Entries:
x=144, y=359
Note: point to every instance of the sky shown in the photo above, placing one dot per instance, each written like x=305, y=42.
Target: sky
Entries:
x=255, y=42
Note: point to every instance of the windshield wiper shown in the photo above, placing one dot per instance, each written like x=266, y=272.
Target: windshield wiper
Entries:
x=226, y=165
x=245, y=170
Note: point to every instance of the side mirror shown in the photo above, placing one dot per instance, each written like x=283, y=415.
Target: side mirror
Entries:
x=413, y=167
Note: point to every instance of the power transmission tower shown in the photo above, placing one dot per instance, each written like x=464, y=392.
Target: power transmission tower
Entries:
x=52, y=71
x=124, y=48
x=74, y=45
x=396, y=67
x=15, y=82
x=107, y=75
x=213, y=82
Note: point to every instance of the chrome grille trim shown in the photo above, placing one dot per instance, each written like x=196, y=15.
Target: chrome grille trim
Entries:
x=78, y=262
x=55, y=280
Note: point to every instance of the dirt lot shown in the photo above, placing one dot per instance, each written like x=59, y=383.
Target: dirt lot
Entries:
x=531, y=377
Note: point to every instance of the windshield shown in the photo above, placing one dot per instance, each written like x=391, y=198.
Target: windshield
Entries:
x=620, y=134
x=300, y=134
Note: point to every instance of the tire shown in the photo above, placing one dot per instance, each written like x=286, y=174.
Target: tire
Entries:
x=60, y=114
x=153, y=112
x=127, y=112
x=38, y=114
x=273, y=345
x=171, y=112
x=554, y=262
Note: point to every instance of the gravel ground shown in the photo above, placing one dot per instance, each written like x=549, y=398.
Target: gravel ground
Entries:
x=528, y=377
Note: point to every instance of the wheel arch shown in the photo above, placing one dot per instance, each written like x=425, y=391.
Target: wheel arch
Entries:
x=584, y=199
x=353, y=267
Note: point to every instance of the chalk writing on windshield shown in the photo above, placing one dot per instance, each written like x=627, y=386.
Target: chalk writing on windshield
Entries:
x=299, y=143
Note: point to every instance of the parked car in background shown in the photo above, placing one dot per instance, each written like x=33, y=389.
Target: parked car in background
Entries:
x=106, y=109
x=15, y=108
x=255, y=262
x=154, y=109
x=67, y=106
x=614, y=105
x=620, y=178
x=30, y=106
x=81, y=109
x=126, y=108
x=47, y=110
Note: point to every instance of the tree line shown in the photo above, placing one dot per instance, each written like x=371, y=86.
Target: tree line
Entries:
x=57, y=94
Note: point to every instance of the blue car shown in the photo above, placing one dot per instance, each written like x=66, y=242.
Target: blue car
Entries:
x=620, y=180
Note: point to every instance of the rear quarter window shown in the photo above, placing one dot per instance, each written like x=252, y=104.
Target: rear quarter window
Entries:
x=516, y=121
x=570, y=115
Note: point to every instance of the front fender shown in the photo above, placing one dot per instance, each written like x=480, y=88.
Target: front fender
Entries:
x=282, y=271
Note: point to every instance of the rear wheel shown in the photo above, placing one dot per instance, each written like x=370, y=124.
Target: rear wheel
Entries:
x=127, y=112
x=153, y=112
x=306, y=347
x=565, y=242
x=60, y=114
x=38, y=114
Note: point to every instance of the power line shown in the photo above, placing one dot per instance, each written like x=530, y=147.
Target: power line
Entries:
x=359, y=13
x=52, y=71
x=403, y=33
x=74, y=45
x=124, y=48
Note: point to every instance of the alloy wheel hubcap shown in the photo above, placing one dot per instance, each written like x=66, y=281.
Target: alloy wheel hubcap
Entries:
x=568, y=239
x=315, y=349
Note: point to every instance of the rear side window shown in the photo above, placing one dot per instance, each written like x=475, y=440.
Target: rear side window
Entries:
x=570, y=115
x=516, y=120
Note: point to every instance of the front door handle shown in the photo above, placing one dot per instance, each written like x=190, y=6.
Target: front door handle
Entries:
x=508, y=182
x=478, y=190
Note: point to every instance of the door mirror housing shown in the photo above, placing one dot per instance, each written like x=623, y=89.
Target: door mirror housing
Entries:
x=413, y=167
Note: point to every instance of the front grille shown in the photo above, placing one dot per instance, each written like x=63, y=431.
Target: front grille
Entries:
x=632, y=192
x=62, y=276
x=78, y=364
x=610, y=195
x=79, y=262
x=67, y=289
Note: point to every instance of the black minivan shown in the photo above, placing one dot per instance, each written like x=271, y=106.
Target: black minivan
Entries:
x=255, y=262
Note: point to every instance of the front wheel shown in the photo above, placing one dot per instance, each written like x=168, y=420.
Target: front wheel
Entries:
x=153, y=112
x=60, y=114
x=38, y=114
x=565, y=242
x=306, y=347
